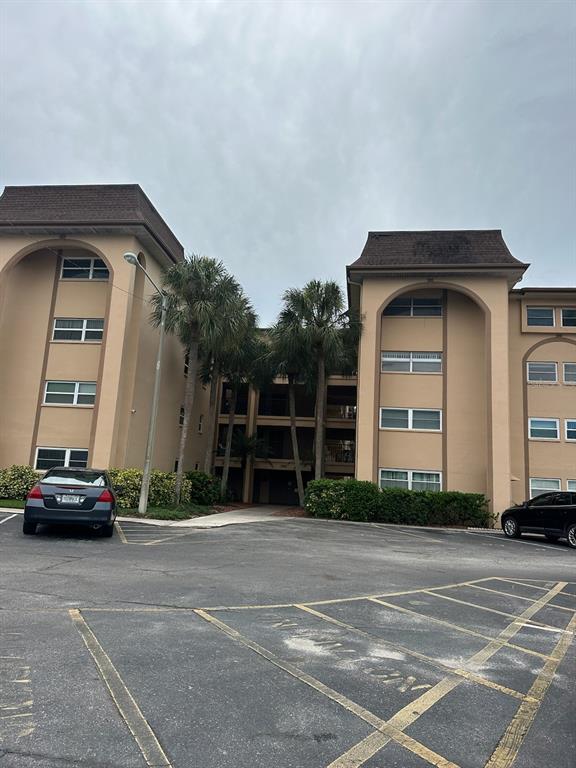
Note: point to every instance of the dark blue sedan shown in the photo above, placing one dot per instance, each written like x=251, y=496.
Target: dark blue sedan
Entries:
x=72, y=497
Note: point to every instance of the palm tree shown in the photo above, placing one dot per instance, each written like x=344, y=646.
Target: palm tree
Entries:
x=203, y=299
x=291, y=359
x=242, y=362
x=314, y=317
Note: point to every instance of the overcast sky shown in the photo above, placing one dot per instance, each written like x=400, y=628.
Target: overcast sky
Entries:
x=274, y=135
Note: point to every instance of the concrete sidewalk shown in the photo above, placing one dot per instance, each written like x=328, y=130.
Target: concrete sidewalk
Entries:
x=258, y=514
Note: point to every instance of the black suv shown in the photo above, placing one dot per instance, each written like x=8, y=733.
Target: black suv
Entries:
x=72, y=496
x=553, y=514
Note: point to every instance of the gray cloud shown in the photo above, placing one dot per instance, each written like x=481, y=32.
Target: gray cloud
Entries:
x=274, y=135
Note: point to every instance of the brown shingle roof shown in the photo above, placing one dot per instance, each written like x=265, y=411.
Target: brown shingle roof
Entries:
x=90, y=206
x=436, y=248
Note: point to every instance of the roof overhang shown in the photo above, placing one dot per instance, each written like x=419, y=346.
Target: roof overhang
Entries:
x=149, y=239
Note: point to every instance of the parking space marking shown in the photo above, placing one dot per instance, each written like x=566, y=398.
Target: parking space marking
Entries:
x=519, y=597
x=509, y=745
x=416, y=654
x=368, y=747
x=534, y=586
x=120, y=532
x=130, y=712
x=449, y=624
x=535, y=624
x=384, y=730
x=5, y=520
x=147, y=536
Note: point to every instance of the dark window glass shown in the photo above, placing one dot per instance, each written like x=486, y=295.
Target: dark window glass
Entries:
x=394, y=418
x=569, y=317
x=545, y=500
x=427, y=307
x=426, y=419
x=76, y=269
x=401, y=307
x=50, y=457
x=541, y=316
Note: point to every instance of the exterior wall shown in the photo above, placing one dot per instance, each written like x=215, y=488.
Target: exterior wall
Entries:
x=32, y=294
x=474, y=335
x=532, y=457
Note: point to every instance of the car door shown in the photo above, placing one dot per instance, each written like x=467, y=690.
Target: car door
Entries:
x=541, y=513
x=561, y=512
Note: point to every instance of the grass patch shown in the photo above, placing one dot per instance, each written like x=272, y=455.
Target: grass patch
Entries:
x=12, y=503
x=172, y=512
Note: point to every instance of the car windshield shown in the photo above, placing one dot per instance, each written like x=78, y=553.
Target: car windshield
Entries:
x=71, y=477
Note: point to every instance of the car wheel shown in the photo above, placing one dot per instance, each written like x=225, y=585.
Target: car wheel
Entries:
x=551, y=537
x=572, y=536
x=511, y=528
x=108, y=530
x=29, y=528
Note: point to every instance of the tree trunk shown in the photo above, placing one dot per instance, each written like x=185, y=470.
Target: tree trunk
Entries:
x=188, y=404
x=211, y=426
x=228, y=452
x=294, y=436
x=320, y=407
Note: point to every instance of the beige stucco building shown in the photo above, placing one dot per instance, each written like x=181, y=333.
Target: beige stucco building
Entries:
x=465, y=382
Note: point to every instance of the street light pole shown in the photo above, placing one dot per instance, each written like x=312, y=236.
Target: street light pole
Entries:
x=131, y=258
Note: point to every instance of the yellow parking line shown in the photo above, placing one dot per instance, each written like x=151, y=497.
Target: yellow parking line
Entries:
x=361, y=752
x=385, y=731
x=121, y=533
x=143, y=734
x=534, y=586
x=416, y=654
x=449, y=624
x=519, y=597
x=537, y=624
x=509, y=745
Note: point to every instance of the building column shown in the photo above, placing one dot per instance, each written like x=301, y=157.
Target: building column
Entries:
x=106, y=416
x=497, y=356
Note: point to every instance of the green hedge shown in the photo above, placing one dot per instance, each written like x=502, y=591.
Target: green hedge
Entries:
x=364, y=501
x=204, y=489
x=161, y=493
x=197, y=487
x=16, y=481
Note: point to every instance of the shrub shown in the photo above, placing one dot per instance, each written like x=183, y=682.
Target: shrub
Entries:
x=16, y=481
x=161, y=491
x=364, y=501
x=204, y=488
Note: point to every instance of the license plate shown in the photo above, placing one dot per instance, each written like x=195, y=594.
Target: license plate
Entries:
x=67, y=498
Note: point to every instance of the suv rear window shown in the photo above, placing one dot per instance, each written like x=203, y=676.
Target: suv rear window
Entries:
x=69, y=477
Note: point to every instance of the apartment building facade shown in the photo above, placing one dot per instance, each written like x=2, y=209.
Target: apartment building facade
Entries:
x=465, y=382
x=77, y=349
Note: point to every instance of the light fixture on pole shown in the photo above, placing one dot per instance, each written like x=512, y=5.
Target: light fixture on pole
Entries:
x=131, y=258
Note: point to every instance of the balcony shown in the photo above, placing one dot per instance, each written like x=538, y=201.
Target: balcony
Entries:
x=341, y=412
x=340, y=451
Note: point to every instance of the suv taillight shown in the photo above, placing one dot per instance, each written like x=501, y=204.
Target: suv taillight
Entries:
x=106, y=496
x=35, y=493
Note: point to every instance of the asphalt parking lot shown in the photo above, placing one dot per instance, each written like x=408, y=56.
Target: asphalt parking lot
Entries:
x=291, y=644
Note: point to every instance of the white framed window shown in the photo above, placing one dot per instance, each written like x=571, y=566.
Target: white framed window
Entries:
x=411, y=418
x=181, y=418
x=70, y=393
x=46, y=458
x=540, y=485
x=411, y=362
x=571, y=485
x=540, y=316
x=77, y=329
x=570, y=430
x=569, y=373
x=410, y=479
x=412, y=306
x=84, y=269
x=200, y=423
x=542, y=373
x=569, y=317
x=544, y=429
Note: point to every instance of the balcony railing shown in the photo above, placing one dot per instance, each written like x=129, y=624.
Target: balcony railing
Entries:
x=340, y=451
x=341, y=412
